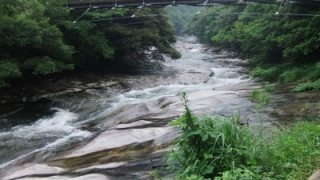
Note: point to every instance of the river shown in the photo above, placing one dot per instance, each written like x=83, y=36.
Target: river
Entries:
x=124, y=136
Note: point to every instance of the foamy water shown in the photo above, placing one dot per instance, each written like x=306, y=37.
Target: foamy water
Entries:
x=48, y=134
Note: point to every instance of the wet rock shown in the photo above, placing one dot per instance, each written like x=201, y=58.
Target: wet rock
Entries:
x=93, y=92
x=76, y=90
x=211, y=74
x=117, y=145
x=140, y=123
x=108, y=84
x=245, y=77
x=125, y=114
x=50, y=95
x=32, y=170
x=75, y=82
x=92, y=85
x=100, y=167
x=215, y=50
x=315, y=176
x=85, y=177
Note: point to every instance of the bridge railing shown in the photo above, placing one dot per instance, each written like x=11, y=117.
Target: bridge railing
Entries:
x=134, y=3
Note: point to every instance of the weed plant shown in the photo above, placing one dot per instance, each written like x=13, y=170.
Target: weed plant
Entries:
x=268, y=88
x=262, y=97
x=218, y=148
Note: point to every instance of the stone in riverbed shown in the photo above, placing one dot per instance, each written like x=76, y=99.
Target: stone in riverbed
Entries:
x=32, y=170
x=117, y=145
x=315, y=176
x=85, y=177
x=93, y=92
x=92, y=85
x=108, y=84
x=140, y=123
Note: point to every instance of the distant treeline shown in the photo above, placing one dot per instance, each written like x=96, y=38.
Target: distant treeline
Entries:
x=284, y=46
x=38, y=38
x=180, y=16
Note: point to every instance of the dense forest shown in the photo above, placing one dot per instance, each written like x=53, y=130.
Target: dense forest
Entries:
x=283, y=46
x=41, y=37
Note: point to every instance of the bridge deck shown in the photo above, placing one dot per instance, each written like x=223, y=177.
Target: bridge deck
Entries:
x=80, y=4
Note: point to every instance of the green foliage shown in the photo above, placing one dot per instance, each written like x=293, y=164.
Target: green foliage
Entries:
x=217, y=148
x=268, y=88
x=30, y=40
x=307, y=86
x=38, y=38
x=282, y=47
x=262, y=97
x=267, y=74
x=8, y=70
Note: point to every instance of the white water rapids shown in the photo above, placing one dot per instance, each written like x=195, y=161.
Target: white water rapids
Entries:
x=60, y=128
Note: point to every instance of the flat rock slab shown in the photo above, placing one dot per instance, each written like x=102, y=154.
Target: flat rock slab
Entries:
x=315, y=176
x=32, y=170
x=85, y=177
x=132, y=125
x=118, y=138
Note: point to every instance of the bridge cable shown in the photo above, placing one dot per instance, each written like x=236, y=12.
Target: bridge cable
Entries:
x=235, y=13
x=139, y=8
x=204, y=5
x=82, y=14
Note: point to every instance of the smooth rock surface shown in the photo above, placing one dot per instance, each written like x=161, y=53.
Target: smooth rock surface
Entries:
x=85, y=177
x=32, y=170
x=118, y=138
x=315, y=176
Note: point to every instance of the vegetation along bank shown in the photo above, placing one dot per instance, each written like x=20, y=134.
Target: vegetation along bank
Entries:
x=282, y=47
x=41, y=37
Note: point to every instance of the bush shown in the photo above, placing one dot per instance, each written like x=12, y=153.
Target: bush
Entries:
x=267, y=74
x=307, y=86
x=217, y=148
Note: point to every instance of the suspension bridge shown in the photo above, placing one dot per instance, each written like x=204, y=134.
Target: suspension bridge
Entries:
x=96, y=4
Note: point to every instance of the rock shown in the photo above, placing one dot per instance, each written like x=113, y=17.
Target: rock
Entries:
x=136, y=124
x=92, y=85
x=100, y=167
x=32, y=170
x=49, y=95
x=42, y=91
x=85, y=177
x=93, y=92
x=192, y=71
x=315, y=176
x=245, y=77
x=108, y=84
x=126, y=114
x=211, y=74
x=75, y=82
x=215, y=50
x=117, y=145
x=76, y=90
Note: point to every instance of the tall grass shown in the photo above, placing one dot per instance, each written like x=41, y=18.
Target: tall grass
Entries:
x=263, y=97
x=217, y=148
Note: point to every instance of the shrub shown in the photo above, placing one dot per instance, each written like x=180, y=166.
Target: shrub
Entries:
x=307, y=86
x=267, y=74
x=217, y=148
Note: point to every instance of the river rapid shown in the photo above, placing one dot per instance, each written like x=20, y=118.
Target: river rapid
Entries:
x=124, y=134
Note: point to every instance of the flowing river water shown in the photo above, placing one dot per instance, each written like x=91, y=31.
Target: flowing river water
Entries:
x=125, y=134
